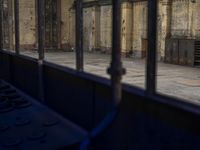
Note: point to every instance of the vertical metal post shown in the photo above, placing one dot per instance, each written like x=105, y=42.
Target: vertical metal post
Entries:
x=41, y=28
x=17, y=36
x=116, y=70
x=1, y=24
x=41, y=41
x=79, y=35
x=151, y=57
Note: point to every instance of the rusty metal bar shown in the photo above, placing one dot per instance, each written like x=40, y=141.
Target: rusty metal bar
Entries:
x=41, y=44
x=17, y=36
x=116, y=70
x=41, y=28
x=151, y=56
x=79, y=35
x=1, y=24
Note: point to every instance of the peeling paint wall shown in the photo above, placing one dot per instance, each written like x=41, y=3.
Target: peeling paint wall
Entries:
x=126, y=27
x=180, y=18
x=89, y=28
x=27, y=19
x=195, y=19
x=176, y=19
x=139, y=27
x=67, y=25
x=185, y=22
x=106, y=28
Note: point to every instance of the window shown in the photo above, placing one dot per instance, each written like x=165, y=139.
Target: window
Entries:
x=159, y=41
x=178, y=50
x=60, y=44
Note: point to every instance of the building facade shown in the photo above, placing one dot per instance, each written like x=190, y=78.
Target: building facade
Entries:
x=177, y=19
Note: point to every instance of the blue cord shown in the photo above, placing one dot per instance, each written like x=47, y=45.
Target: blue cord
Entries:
x=96, y=131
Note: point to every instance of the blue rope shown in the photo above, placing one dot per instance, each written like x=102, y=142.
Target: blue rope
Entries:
x=96, y=131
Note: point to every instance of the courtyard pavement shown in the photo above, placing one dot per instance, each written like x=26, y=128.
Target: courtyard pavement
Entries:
x=174, y=80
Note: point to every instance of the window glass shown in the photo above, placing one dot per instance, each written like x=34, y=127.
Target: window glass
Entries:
x=28, y=28
x=134, y=41
x=60, y=32
x=8, y=26
x=178, y=50
x=97, y=38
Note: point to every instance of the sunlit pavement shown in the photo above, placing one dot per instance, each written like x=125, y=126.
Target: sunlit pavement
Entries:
x=175, y=80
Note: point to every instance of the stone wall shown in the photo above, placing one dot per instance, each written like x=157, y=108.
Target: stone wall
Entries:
x=106, y=28
x=139, y=27
x=127, y=28
x=67, y=25
x=27, y=19
x=176, y=19
x=185, y=22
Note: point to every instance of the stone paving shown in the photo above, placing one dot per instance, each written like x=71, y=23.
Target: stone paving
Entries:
x=174, y=80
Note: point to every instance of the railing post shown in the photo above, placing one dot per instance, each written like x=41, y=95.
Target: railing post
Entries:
x=41, y=28
x=79, y=35
x=1, y=24
x=116, y=70
x=151, y=55
x=41, y=40
x=17, y=36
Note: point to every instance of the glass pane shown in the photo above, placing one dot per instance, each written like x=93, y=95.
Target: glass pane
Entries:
x=60, y=32
x=97, y=41
x=134, y=41
x=28, y=28
x=8, y=25
x=178, y=50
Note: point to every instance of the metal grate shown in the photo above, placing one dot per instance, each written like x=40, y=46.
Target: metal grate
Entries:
x=197, y=53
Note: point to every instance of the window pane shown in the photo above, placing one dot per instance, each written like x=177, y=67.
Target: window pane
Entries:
x=134, y=41
x=28, y=28
x=8, y=25
x=178, y=50
x=60, y=32
x=97, y=41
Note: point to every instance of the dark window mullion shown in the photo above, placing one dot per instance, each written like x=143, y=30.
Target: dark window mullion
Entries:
x=1, y=24
x=79, y=35
x=17, y=36
x=41, y=44
x=116, y=70
x=151, y=55
x=41, y=28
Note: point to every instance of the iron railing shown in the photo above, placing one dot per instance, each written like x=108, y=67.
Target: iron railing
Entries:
x=116, y=69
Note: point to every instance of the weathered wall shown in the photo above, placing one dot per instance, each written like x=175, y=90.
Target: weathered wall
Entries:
x=126, y=27
x=67, y=24
x=91, y=28
x=185, y=22
x=176, y=19
x=106, y=28
x=27, y=19
x=180, y=18
x=8, y=24
x=139, y=27
x=195, y=16
x=163, y=26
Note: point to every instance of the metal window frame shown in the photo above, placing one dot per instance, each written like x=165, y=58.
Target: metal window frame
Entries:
x=41, y=44
x=1, y=25
x=17, y=32
x=41, y=26
x=151, y=55
x=116, y=70
x=79, y=36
